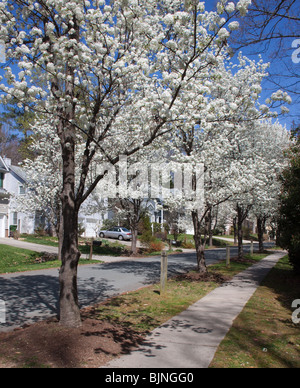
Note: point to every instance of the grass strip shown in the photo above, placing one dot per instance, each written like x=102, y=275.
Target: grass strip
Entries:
x=264, y=335
x=145, y=309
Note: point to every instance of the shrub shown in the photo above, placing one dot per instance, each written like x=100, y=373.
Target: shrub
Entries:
x=161, y=236
x=151, y=242
x=188, y=244
x=40, y=232
x=146, y=238
x=156, y=246
x=156, y=227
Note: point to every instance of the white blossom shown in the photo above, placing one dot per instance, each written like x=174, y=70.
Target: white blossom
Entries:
x=234, y=26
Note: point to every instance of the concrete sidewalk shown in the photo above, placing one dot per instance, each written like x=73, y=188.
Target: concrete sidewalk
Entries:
x=190, y=339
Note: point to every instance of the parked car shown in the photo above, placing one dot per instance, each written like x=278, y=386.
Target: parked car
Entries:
x=117, y=232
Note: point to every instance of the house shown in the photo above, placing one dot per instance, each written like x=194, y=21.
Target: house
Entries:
x=91, y=217
x=4, y=199
x=12, y=183
x=13, y=188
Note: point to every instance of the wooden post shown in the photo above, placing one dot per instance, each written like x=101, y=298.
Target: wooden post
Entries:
x=228, y=256
x=91, y=250
x=163, y=272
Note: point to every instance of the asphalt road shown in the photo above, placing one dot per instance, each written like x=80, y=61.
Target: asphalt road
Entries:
x=32, y=296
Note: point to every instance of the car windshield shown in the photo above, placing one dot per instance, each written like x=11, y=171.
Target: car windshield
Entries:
x=125, y=230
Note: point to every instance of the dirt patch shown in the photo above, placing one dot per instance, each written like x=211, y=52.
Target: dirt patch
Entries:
x=243, y=261
x=203, y=277
x=46, y=344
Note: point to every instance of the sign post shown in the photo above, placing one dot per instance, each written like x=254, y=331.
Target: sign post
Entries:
x=163, y=272
x=228, y=256
x=2, y=311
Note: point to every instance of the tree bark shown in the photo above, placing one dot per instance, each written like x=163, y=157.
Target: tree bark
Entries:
x=134, y=233
x=240, y=239
x=235, y=230
x=200, y=247
x=69, y=307
x=261, y=222
x=241, y=217
x=210, y=229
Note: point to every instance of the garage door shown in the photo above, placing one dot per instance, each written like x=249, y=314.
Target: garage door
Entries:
x=2, y=226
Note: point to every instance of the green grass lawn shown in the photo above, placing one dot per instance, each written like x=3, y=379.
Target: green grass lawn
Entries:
x=145, y=309
x=42, y=240
x=264, y=336
x=108, y=248
x=19, y=260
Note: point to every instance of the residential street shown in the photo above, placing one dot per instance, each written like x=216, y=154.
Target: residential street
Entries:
x=30, y=296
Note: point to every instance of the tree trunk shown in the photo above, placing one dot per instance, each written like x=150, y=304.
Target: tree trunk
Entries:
x=200, y=248
x=133, y=217
x=69, y=307
x=59, y=230
x=261, y=221
x=134, y=241
x=235, y=230
x=60, y=238
x=241, y=216
x=210, y=229
x=240, y=239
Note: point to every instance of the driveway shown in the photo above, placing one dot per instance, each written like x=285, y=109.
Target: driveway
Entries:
x=25, y=245
x=31, y=296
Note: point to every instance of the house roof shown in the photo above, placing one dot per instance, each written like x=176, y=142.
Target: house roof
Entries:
x=19, y=172
x=15, y=170
x=3, y=166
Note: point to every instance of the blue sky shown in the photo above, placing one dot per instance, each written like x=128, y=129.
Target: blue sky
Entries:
x=278, y=67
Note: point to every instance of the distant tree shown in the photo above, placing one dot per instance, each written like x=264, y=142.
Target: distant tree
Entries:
x=290, y=205
x=18, y=121
x=9, y=145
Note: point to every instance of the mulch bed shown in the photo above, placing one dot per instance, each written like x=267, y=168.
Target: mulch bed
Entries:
x=200, y=277
x=47, y=344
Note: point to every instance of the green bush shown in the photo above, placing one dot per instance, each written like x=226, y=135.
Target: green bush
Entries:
x=289, y=224
x=146, y=238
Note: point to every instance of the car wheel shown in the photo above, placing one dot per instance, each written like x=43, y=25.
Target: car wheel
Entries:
x=121, y=238
x=101, y=235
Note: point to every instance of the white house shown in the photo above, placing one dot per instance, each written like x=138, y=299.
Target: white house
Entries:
x=4, y=199
x=13, y=183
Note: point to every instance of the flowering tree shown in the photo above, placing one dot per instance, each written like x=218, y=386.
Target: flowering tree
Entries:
x=262, y=147
x=106, y=67
x=271, y=144
x=219, y=135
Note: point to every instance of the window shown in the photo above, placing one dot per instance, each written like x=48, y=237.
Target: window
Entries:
x=1, y=180
x=15, y=219
x=21, y=190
